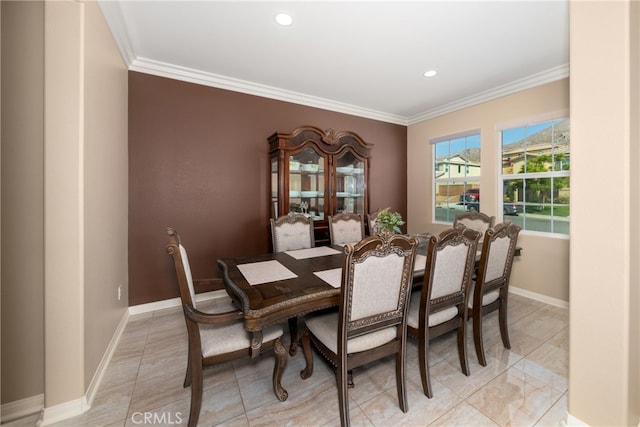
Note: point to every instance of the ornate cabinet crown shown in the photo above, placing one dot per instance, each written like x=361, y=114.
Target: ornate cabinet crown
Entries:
x=319, y=173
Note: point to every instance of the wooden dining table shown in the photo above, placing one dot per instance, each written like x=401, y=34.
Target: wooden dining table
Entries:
x=275, y=287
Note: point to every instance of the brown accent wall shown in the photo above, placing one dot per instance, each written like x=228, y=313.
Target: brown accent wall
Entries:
x=198, y=161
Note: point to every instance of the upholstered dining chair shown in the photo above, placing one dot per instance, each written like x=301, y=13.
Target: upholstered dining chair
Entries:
x=216, y=338
x=371, y=320
x=345, y=227
x=441, y=305
x=490, y=290
x=477, y=221
x=291, y=232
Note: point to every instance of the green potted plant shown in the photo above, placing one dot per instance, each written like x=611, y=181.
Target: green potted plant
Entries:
x=389, y=221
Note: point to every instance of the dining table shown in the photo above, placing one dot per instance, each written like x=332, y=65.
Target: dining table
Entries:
x=276, y=287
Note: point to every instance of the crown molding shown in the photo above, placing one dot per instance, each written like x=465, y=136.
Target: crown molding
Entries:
x=538, y=79
x=115, y=21
x=163, y=69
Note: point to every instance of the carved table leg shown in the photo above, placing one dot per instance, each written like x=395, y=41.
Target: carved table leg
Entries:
x=256, y=343
x=281, y=363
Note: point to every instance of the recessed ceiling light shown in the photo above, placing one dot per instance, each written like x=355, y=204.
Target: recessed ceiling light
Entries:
x=430, y=73
x=284, y=19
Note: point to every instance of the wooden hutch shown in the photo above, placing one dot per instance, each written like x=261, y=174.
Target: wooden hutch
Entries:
x=319, y=173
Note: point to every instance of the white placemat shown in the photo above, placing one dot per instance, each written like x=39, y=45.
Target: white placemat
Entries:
x=420, y=262
x=332, y=277
x=265, y=271
x=312, y=252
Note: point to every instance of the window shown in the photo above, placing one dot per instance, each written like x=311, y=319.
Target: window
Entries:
x=456, y=175
x=535, y=175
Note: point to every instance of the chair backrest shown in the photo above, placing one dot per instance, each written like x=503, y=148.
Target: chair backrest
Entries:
x=371, y=222
x=477, y=221
x=450, y=264
x=183, y=270
x=496, y=260
x=376, y=283
x=291, y=232
x=346, y=227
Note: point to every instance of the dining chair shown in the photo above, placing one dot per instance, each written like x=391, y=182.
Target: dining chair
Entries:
x=474, y=220
x=370, y=324
x=490, y=290
x=441, y=305
x=292, y=231
x=372, y=226
x=216, y=338
x=345, y=227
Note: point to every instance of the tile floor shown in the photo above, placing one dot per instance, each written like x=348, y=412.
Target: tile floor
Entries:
x=524, y=386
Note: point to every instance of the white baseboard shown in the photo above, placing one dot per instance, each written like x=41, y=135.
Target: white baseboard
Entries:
x=539, y=297
x=63, y=411
x=136, y=310
x=21, y=408
x=106, y=358
x=32, y=405
x=575, y=422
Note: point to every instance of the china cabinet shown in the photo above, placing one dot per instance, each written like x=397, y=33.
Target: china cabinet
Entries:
x=319, y=173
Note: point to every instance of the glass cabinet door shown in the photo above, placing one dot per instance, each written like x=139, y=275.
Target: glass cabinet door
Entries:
x=274, y=188
x=350, y=184
x=307, y=183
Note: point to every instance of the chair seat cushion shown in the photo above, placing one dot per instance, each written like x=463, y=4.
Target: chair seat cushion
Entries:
x=325, y=328
x=413, y=317
x=220, y=339
x=487, y=298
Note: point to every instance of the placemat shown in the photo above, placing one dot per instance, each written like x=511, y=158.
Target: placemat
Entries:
x=312, y=252
x=332, y=277
x=265, y=271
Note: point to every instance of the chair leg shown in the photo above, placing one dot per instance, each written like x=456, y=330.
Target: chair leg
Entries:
x=280, y=363
x=502, y=318
x=196, y=394
x=305, y=340
x=187, y=376
x=462, y=347
x=423, y=356
x=477, y=336
x=400, y=379
x=343, y=397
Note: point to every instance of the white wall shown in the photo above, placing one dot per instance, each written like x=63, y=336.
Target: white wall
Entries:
x=85, y=197
x=22, y=200
x=550, y=283
x=64, y=198
x=106, y=187
x=604, y=332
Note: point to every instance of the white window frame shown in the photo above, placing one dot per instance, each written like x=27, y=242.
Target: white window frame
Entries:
x=475, y=178
x=530, y=121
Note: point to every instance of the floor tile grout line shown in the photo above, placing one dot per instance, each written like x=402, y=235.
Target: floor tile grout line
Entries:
x=133, y=387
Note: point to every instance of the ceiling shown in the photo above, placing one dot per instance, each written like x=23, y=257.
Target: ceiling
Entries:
x=355, y=57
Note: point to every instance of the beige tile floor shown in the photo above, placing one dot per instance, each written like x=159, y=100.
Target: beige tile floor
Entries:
x=524, y=386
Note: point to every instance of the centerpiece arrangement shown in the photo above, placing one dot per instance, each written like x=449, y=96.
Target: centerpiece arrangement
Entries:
x=389, y=221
